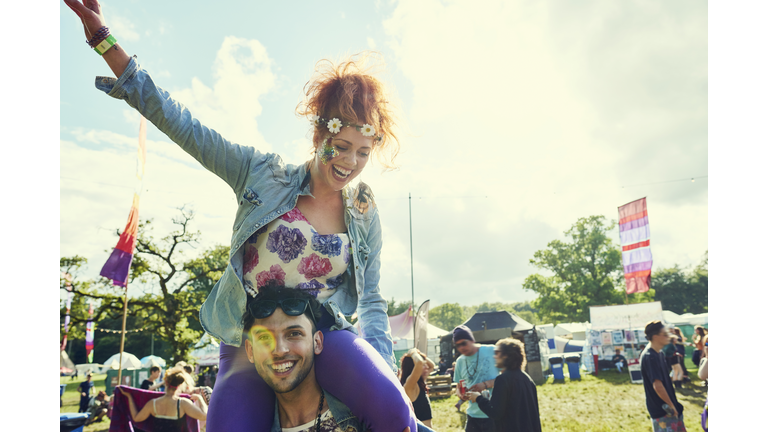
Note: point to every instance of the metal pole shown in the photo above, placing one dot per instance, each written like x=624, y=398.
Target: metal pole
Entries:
x=413, y=305
x=152, y=347
x=122, y=338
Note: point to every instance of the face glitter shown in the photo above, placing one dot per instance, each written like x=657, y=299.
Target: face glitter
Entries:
x=328, y=152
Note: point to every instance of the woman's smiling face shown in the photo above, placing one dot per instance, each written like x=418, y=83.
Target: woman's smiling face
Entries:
x=353, y=149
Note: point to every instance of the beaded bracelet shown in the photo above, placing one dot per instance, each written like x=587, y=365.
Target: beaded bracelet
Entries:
x=99, y=36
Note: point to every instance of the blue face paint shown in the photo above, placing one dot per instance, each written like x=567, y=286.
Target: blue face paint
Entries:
x=328, y=152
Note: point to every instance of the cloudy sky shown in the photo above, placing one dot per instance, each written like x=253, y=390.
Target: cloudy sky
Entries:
x=518, y=118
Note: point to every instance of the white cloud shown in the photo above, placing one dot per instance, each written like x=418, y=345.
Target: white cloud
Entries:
x=122, y=28
x=243, y=74
x=371, y=43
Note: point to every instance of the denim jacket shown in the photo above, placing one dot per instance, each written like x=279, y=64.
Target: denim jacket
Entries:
x=265, y=188
x=341, y=414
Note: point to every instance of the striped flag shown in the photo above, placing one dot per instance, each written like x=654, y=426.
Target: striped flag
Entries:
x=635, y=246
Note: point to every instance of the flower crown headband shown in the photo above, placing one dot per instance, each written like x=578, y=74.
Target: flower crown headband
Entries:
x=334, y=126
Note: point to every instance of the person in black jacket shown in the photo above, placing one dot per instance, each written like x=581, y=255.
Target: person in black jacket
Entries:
x=515, y=404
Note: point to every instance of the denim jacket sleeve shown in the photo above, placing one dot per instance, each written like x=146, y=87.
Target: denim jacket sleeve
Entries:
x=231, y=162
x=372, y=307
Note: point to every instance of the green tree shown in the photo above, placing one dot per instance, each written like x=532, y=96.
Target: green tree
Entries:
x=171, y=314
x=585, y=272
x=396, y=308
x=446, y=316
x=683, y=291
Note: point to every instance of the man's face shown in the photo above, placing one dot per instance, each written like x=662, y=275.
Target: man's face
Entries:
x=465, y=347
x=154, y=375
x=662, y=337
x=283, y=349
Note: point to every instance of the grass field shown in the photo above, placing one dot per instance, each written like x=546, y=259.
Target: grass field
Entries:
x=608, y=402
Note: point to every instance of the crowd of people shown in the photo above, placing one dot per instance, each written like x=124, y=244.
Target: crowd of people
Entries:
x=306, y=254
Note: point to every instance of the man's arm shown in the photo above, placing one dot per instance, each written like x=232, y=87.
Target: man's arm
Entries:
x=658, y=387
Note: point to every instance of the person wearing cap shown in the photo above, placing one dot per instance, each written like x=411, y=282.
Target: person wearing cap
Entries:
x=477, y=367
x=665, y=411
x=86, y=391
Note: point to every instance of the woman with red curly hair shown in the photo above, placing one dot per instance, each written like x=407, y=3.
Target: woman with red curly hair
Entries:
x=299, y=226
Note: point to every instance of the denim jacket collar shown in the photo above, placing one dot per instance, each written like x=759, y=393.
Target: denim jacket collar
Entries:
x=341, y=414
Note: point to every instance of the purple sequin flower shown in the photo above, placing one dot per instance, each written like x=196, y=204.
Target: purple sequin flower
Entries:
x=328, y=244
x=335, y=281
x=312, y=287
x=287, y=243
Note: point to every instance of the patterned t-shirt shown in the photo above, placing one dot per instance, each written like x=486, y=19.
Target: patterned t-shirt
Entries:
x=290, y=251
x=475, y=369
x=327, y=424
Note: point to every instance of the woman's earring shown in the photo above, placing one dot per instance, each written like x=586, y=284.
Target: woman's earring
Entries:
x=328, y=152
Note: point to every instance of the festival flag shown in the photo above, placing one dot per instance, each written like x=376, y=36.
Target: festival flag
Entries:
x=635, y=246
x=119, y=262
x=420, y=334
x=89, y=327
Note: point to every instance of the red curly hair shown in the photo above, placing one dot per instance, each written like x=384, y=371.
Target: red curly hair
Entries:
x=347, y=90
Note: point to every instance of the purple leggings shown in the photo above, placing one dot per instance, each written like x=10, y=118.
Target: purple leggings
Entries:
x=349, y=368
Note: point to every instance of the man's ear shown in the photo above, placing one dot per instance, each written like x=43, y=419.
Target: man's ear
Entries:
x=318, y=342
x=249, y=349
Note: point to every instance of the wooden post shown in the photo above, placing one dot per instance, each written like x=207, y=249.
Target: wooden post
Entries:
x=122, y=338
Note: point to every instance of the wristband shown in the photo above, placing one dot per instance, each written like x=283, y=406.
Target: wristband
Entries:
x=106, y=44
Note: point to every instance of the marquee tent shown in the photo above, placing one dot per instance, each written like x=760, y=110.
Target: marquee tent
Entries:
x=130, y=361
x=206, y=351
x=152, y=360
x=492, y=326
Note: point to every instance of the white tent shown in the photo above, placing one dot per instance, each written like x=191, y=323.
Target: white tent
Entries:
x=130, y=361
x=66, y=366
x=84, y=368
x=577, y=330
x=549, y=328
x=152, y=360
x=206, y=351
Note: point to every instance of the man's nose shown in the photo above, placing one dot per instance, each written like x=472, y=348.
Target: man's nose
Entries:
x=280, y=346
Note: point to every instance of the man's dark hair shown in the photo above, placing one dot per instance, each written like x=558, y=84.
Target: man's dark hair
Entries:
x=514, y=350
x=276, y=292
x=154, y=369
x=652, y=329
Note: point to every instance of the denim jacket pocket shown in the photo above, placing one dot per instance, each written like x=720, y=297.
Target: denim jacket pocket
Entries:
x=341, y=322
x=250, y=196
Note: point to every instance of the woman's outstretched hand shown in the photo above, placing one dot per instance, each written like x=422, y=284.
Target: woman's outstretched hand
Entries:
x=89, y=12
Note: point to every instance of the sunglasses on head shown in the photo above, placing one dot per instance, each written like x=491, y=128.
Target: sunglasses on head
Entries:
x=261, y=309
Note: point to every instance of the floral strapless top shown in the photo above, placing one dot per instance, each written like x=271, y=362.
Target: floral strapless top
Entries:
x=291, y=252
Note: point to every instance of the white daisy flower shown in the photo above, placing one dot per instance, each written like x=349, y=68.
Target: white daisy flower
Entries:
x=368, y=130
x=315, y=119
x=334, y=125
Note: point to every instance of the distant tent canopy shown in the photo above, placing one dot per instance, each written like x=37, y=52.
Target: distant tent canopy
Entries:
x=489, y=327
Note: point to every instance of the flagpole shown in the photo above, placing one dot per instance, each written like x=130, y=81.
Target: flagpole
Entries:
x=410, y=227
x=122, y=337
